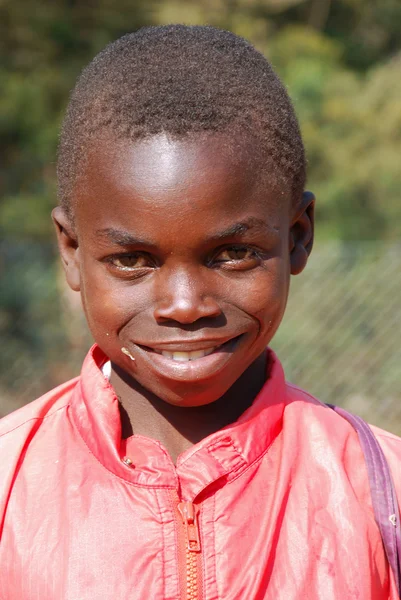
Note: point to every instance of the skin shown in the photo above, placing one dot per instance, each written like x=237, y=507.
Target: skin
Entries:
x=182, y=243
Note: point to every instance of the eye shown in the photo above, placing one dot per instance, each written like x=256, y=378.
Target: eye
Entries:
x=235, y=254
x=237, y=257
x=130, y=262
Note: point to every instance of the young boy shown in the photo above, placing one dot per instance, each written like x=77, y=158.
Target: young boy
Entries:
x=180, y=465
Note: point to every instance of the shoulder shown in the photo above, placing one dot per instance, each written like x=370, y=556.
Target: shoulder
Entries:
x=390, y=443
x=338, y=432
x=33, y=425
x=295, y=393
x=308, y=407
x=13, y=425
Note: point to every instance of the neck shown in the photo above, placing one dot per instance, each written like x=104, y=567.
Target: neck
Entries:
x=176, y=427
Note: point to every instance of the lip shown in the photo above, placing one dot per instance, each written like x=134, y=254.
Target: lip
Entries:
x=186, y=346
x=194, y=370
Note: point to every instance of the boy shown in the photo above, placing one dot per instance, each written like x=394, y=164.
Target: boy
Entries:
x=180, y=464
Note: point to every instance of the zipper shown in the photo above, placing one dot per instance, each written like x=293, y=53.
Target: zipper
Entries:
x=190, y=558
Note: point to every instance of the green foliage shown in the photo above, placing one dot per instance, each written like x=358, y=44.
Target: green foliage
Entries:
x=43, y=47
x=352, y=130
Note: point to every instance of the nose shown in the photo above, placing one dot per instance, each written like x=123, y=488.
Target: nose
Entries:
x=184, y=299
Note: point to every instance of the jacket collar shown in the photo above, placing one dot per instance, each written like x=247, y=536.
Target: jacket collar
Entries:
x=227, y=452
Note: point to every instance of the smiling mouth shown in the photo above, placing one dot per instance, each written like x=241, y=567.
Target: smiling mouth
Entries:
x=179, y=355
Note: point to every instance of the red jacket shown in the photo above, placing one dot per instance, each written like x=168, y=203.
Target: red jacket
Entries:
x=274, y=506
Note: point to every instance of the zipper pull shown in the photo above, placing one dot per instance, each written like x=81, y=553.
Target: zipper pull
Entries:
x=189, y=512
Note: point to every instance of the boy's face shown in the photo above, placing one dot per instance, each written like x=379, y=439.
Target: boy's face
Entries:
x=182, y=257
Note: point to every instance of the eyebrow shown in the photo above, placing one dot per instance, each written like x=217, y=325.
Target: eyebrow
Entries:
x=243, y=227
x=120, y=237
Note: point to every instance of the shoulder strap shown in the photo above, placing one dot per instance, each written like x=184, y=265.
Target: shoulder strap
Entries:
x=384, y=499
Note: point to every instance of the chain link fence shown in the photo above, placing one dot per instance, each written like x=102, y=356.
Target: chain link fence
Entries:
x=340, y=338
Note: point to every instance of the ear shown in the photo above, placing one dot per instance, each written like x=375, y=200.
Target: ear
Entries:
x=68, y=247
x=301, y=233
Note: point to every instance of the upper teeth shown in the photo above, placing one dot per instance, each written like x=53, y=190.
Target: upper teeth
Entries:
x=185, y=356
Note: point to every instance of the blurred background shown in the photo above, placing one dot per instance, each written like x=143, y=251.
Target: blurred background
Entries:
x=341, y=63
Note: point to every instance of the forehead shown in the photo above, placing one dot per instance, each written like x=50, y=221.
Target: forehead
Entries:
x=202, y=179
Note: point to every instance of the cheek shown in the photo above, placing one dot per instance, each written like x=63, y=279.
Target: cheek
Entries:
x=264, y=295
x=109, y=302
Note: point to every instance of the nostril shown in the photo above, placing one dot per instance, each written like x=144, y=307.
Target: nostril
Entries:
x=186, y=312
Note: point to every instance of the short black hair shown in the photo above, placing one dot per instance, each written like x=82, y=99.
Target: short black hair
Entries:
x=181, y=80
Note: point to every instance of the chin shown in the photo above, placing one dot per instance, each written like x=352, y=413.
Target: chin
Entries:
x=189, y=396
